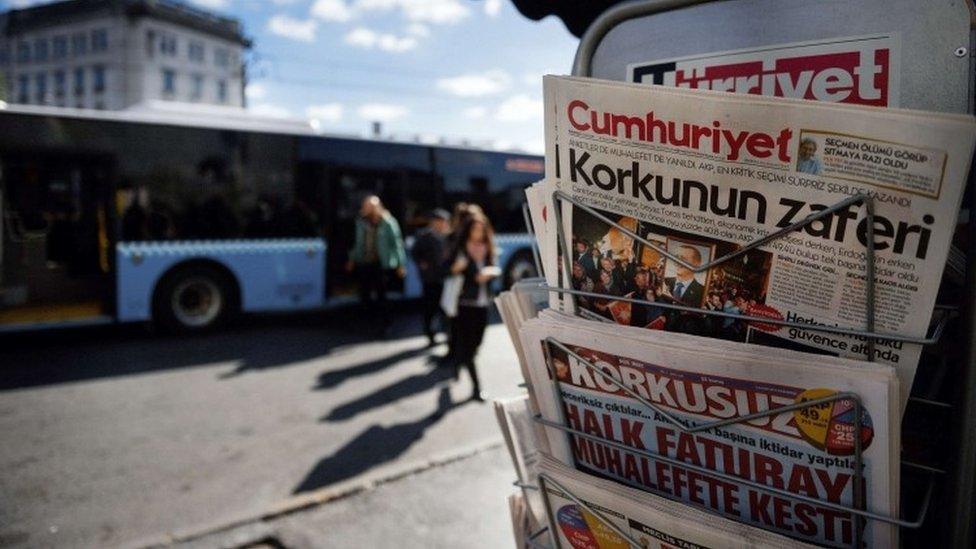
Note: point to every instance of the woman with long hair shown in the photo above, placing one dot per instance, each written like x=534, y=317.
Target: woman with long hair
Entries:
x=473, y=257
x=459, y=218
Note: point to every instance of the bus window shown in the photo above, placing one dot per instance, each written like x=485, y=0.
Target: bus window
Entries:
x=344, y=171
x=495, y=181
x=206, y=184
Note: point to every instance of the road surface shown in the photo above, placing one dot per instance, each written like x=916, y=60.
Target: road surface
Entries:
x=119, y=437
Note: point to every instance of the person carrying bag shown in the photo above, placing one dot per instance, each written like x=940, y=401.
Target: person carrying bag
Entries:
x=450, y=295
x=467, y=293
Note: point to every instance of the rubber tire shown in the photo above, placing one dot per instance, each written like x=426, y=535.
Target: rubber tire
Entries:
x=519, y=259
x=166, y=318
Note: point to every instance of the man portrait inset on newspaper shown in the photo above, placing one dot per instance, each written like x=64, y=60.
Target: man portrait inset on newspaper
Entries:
x=683, y=286
x=681, y=283
x=806, y=158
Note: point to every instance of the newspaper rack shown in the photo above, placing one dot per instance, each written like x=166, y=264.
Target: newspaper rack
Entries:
x=937, y=49
x=857, y=486
x=530, y=540
x=868, y=334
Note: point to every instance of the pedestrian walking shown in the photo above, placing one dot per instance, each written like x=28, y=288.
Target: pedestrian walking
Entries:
x=376, y=256
x=429, y=251
x=473, y=257
x=462, y=212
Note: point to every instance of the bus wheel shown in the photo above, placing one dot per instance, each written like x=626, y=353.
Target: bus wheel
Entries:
x=520, y=266
x=193, y=299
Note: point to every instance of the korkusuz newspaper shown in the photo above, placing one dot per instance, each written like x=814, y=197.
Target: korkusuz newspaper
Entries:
x=807, y=452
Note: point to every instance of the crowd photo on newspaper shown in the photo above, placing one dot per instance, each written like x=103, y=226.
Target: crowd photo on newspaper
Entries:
x=715, y=267
x=609, y=262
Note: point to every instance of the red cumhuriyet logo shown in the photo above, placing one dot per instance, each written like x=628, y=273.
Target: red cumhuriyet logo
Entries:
x=650, y=128
x=861, y=76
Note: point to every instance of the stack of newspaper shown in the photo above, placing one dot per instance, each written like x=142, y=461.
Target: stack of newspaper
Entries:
x=524, y=442
x=524, y=438
x=707, y=379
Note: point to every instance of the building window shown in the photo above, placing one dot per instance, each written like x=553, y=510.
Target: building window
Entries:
x=100, y=105
x=169, y=82
x=79, y=44
x=195, y=52
x=4, y=56
x=99, y=39
x=167, y=45
x=98, y=78
x=79, y=81
x=197, y=86
x=23, y=89
x=150, y=43
x=40, y=88
x=59, y=45
x=60, y=83
x=222, y=91
x=221, y=57
x=23, y=52
x=40, y=50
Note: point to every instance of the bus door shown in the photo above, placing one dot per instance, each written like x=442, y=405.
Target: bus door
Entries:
x=407, y=193
x=55, y=239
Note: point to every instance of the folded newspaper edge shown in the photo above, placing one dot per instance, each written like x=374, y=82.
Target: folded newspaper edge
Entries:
x=515, y=308
x=523, y=438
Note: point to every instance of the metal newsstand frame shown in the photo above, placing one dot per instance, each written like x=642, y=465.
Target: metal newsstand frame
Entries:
x=960, y=479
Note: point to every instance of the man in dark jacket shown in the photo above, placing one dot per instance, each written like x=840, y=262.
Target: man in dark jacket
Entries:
x=428, y=253
x=585, y=258
x=684, y=289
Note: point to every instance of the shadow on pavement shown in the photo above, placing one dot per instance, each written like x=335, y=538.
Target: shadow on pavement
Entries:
x=374, y=446
x=256, y=342
x=331, y=378
x=404, y=388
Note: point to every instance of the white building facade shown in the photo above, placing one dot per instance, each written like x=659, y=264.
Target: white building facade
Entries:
x=117, y=54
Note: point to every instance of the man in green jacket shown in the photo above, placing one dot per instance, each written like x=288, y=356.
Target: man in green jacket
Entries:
x=377, y=254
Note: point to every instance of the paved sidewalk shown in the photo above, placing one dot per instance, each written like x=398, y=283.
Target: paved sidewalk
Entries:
x=114, y=437
x=458, y=504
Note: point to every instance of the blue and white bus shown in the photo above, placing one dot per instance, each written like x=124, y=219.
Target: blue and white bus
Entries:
x=187, y=220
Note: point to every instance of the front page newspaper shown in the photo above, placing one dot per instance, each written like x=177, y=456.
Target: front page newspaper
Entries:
x=652, y=522
x=808, y=452
x=700, y=174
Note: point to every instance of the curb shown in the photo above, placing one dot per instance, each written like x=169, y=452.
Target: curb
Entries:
x=368, y=481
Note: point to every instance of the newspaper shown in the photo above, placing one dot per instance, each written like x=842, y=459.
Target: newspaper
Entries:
x=511, y=314
x=540, y=201
x=516, y=509
x=652, y=522
x=515, y=307
x=529, y=532
x=522, y=438
x=695, y=380
x=698, y=175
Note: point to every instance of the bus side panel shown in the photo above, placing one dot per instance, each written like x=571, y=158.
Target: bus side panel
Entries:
x=509, y=245
x=273, y=275
x=413, y=287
